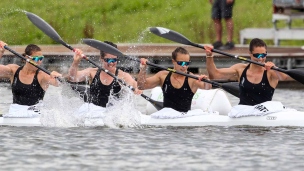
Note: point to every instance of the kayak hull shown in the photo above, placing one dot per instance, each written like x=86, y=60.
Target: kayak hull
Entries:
x=294, y=118
x=284, y=118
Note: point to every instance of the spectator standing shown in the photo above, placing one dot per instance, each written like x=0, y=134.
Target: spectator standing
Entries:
x=222, y=9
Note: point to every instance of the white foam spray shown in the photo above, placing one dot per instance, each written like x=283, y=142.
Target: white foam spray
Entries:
x=122, y=112
x=60, y=106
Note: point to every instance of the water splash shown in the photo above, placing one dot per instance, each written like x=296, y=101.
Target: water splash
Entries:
x=20, y=10
x=122, y=112
x=134, y=50
x=60, y=106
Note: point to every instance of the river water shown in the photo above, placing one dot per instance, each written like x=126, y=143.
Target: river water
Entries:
x=150, y=148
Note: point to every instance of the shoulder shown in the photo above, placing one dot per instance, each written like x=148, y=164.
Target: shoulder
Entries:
x=13, y=67
x=272, y=73
x=239, y=65
x=124, y=75
x=92, y=71
x=162, y=73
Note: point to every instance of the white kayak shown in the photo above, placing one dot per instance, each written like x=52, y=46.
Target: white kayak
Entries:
x=217, y=100
x=205, y=100
x=285, y=118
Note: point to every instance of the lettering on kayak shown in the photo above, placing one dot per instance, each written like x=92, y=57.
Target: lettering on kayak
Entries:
x=261, y=108
x=271, y=118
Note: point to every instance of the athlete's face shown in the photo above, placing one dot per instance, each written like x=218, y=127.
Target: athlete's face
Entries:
x=258, y=54
x=182, y=62
x=37, y=57
x=110, y=61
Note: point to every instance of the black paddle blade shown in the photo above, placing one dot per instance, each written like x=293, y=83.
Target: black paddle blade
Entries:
x=297, y=74
x=102, y=46
x=44, y=27
x=232, y=88
x=157, y=104
x=170, y=35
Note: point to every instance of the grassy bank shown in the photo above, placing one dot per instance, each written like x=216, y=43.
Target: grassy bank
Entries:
x=125, y=21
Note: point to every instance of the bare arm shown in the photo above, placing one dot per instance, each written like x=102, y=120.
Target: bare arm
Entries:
x=128, y=79
x=47, y=80
x=223, y=73
x=276, y=75
x=74, y=74
x=2, y=44
x=147, y=83
x=203, y=85
x=6, y=71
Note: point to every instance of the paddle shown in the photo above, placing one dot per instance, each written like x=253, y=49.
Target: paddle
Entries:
x=31, y=62
x=296, y=74
x=48, y=30
x=229, y=87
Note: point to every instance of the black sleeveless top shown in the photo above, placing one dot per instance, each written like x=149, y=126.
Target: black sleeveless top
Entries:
x=99, y=93
x=26, y=94
x=252, y=94
x=177, y=99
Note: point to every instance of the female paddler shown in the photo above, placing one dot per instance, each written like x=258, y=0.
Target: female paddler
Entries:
x=28, y=82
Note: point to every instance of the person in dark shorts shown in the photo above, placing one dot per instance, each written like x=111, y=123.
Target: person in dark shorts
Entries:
x=178, y=90
x=257, y=83
x=222, y=9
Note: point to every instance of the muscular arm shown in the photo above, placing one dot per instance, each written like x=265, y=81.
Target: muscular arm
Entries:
x=78, y=76
x=223, y=73
x=195, y=84
x=278, y=76
x=203, y=85
x=48, y=80
x=7, y=71
x=74, y=74
x=148, y=83
x=128, y=79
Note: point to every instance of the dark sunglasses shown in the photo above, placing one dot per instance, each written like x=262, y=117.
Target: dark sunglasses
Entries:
x=259, y=55
x=183, y=63
x=37, y=58
x=109, y=60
